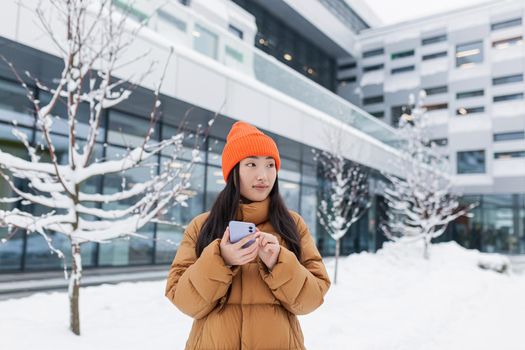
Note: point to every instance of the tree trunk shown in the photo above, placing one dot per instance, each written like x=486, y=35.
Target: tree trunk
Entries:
x=426, y=252
x=74, y=288
x=337, y=245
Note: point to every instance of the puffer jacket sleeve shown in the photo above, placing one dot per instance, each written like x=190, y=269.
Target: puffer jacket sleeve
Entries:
x=300, y=286
x=196, y=285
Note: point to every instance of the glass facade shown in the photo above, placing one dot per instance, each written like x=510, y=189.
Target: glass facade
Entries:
x=278, y=39
x=498, y=224
x=346, y=14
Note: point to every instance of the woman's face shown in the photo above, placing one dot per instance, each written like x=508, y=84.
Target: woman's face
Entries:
x=257, y=176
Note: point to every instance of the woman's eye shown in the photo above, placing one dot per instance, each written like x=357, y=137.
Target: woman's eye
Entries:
x=271, y=165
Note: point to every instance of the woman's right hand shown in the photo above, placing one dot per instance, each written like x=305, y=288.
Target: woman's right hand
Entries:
x=234, y=254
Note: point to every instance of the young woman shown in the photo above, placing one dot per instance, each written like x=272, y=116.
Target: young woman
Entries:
x=247, y=298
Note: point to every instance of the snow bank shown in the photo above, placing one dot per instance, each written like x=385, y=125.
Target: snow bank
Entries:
x=394, y=299
x=390, y=300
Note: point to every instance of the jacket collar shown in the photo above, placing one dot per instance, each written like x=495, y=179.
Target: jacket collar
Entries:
x=255, y=212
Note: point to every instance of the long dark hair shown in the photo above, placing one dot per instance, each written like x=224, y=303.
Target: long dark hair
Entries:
x=225, y=209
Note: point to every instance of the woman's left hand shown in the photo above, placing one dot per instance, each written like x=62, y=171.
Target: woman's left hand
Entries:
x=269, y=249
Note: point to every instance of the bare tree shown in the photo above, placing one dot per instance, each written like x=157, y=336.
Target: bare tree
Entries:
x=421, y=202
x=344, y=197
x=93, y=45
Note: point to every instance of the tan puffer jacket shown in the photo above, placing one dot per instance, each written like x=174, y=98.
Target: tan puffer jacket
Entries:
x=246, y=307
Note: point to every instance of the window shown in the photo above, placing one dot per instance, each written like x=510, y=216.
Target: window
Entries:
x=378, y=114
x=402, y=69
x=396, y=113
x=345, y=14
x=434, y=39
x=276, y=37
x=179, y=24
x=506, y=24
x=372, y=99
x=237, y=55
x=348, y=80
x=436, y=90
x=470, y=110
x=402, y=54
x=309, y=208
x=60, y=124
x=348, y=66
x=469, y=53
x=164, y=251
x=204, y=41
x=507, y=79
x=432, y=56
x=14, y=105
x=375, y=52
x=128, y=130
x=507, y=136
x=471, y=162
x=372, y=68
x=235, y=31
x=503, y=44
x=508, y=155
x=440, y=142
x=437, y=106
x=130, y=11
x=511, y=97
x=468, y=94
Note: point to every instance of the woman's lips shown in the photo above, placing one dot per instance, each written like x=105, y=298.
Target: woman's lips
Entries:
x=260, y=188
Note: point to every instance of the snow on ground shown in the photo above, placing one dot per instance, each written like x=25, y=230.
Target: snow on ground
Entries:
x=389, y=300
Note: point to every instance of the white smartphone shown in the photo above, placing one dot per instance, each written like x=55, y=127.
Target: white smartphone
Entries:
x=241, y=229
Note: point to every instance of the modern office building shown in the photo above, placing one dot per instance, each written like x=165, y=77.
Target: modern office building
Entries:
x=471, y=64
x=296, y=69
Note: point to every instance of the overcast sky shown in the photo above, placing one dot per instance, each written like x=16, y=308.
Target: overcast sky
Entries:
x=393, y=11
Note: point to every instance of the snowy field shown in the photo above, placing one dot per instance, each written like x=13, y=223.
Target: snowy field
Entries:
x=390, y=300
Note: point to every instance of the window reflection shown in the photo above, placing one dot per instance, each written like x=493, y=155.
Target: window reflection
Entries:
x=309, y=209
x=205, y=41
x=469, y=54
x=471, y=162
x=214, y=184
x=290, y=193
x=15, y=105
x=498, y=224
x=127, y=130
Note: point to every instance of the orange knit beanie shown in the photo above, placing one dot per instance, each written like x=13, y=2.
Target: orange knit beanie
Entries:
x=245, y=140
